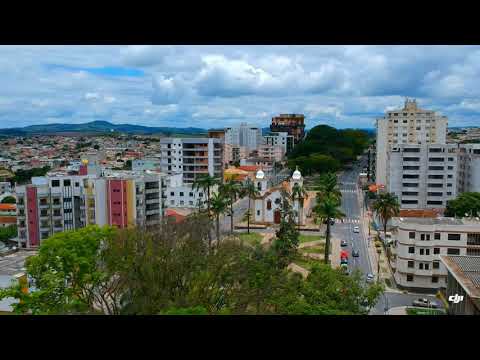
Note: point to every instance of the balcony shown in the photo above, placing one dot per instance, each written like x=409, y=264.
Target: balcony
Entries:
x=152, y=201
x=44, y=206
x=152, y=212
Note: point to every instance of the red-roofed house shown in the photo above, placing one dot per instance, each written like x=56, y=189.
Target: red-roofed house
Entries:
x=175, y=215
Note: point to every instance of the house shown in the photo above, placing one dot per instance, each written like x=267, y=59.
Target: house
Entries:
x=268, y=203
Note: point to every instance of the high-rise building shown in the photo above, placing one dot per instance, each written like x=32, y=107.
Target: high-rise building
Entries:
x=293, y=124
x=280, y=139
x=248, y=136
x=55, y=203
x=410, y=125
x=192, y=157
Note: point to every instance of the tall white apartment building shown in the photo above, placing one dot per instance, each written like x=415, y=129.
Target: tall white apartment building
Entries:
x=427, y=176
x=192, y=157
x=419, y=242
x=280, y=139
x=410, y=125
x=249, y=136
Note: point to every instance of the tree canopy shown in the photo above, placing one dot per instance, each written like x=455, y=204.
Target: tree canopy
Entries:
x=466, y=204
x=9, y=200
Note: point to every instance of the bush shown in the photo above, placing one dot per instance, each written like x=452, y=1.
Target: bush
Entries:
x=9, y=200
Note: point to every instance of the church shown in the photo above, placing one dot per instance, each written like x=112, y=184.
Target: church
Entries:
x=268, y=203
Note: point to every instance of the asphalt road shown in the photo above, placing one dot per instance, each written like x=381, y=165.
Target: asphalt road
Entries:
x=357, y=241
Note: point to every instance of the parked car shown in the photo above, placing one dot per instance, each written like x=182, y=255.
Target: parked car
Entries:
x=356, y=229
x=355, y=253
x=370, y=278
x=343, y=261
x=343, y=243
x=424, y=302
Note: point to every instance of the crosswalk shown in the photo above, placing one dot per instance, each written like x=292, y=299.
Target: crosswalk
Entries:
x=347, y=221
x=349, y=183
x=348, y=191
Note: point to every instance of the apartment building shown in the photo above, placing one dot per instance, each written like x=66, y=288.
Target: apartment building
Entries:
x=418, y=244
x=469, y=168
x=249, y=136
x=463, y=283
x=410, y=125
x=280, y=139
x=192, y=157
x=58, y=203
x=150, y=163
x=177, y=194
x=234, y=153
x=5, y=187
x=293, y=124
x=271, y=152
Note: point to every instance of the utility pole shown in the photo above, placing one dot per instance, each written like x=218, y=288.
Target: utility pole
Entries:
x=368, y=165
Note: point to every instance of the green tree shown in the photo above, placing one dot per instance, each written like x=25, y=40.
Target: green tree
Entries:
x=466, y=204
x=218, y=206
x=231, y=190
x=326, y=186
x=386, y=206
x=326, y=211
x=9, y=200
x=8, y=232
x=96, y=147
x=128, y=165
x=251, y=191
x=205, y=183
x=299, y=193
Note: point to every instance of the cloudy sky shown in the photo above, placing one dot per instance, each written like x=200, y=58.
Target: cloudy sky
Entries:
x=214, y=86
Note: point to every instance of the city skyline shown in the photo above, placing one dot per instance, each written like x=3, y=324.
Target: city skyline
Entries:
x=220, y=86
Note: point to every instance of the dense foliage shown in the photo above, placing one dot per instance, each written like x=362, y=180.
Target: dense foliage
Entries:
x=8, y=232
x=9, y=200
x=24, y=176
x=466, y=204
x=326, y=149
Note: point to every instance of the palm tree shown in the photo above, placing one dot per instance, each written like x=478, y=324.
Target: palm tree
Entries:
x=386, y=206
x=326, y=211
x=327, y=185
x=251, y=191
x=300, y=193
x=218, y=205
x=231, y=189
x=205, y=183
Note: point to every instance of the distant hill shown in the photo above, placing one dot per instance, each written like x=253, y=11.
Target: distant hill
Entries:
x=97, y=127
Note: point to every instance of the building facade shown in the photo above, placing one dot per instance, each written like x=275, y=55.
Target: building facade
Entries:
x=248, y=136
x=293, y=124
x=282, y=139
x=192, y=157
x=418, y=244
x=410, y=125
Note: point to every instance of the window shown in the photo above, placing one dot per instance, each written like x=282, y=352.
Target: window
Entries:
x=411, y=159
x=411, y=250
x=410, y=264
x=455, y=237
x=410, y=184
x=259, y=186
x=422, y=237
x=411, y=235
x=258, y=212
x=420, y=266
x=409, y=193
x=450, y=159
x=66, y=183
x=427, y=251
x=200, y=194
x=172, y=193
x=435, y=176
x=269, y=204
x=409, y=277
x=435, y=185
x=190, y=194
x=436, y=168
x=77, y=184
x=55, y=183
x=410, y=176
x=450, y=168
x=436, y=251
x=190, y=202
x=434, y=279
x=182, y=202
x=411, y=150
x=411, y=168
x=422, y=251
x=181, y=193
x=436, y=236
x=434, y=150
x=436, y=265
x=451, y=251
x=434, y=202
x=449, y=193
x=67, y=211
x=409, y=201
x=435, y=194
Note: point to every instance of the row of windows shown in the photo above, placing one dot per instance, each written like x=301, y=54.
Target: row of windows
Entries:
x=410, y=278
x=436, y=251
x=181, y=193
x=424, y=266
x=436, y=236
x=429, y=202
x=66, y=182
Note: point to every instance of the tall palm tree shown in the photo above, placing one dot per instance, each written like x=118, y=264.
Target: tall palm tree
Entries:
x=327, y=185
x=205, y=183
x=300, y=193
x=231, y=189
x=326, y=211
x=250, y=190
x=386, y=206
x=218, y=205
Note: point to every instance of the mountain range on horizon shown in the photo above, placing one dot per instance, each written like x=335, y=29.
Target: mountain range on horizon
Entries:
x=101, y=127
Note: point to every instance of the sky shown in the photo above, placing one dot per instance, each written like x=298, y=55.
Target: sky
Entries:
x=217, y=86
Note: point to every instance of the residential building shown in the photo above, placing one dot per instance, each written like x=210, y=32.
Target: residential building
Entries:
x=178, y=194
x=249, y=136
x=57, y=203
x=280, y=139
x=192, y=157
x=234, y=153
x=410, y=125
x=5, y=187
x=463, y=284
x=293, y=124
x=151, y=163
x=271, y=152
x=427, y=176
x=267, y=165
x=418, y=244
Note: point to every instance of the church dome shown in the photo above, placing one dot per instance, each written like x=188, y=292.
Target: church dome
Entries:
x=260, y=174
x=297, y=175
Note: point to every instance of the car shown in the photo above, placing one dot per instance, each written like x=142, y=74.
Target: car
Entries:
x=343, y=261
x=370, y=278
x=355, y=253
x=356, y=229
x=424, y=302
x=343, y=243
x=344, y=268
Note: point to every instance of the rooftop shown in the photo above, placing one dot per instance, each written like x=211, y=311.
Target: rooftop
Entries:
x=466, y=270
x=435, y=221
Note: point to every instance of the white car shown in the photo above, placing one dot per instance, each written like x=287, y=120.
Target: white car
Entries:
x=356, y=229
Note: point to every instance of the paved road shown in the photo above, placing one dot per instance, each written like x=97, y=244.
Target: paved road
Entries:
x=357, y=241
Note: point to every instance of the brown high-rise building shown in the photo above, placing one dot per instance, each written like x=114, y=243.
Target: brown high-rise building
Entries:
x=294, y=124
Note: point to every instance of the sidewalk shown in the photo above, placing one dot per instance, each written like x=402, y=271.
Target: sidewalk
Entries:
x=400, y=310
x=335, y=255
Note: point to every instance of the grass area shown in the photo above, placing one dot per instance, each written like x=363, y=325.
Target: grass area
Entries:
x=417, y=311
x=307, y=238
x=252, y=238
x=317, y=249
x=307, y=263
